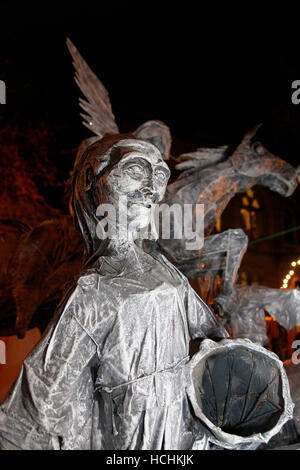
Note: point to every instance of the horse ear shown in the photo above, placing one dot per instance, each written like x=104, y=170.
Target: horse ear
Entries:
x=158, y=134
x=250, y=134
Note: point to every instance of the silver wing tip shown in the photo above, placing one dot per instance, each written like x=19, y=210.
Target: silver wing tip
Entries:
x=72, y=49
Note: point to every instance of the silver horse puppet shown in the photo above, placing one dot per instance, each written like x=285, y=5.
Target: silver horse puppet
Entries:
x=112, y=369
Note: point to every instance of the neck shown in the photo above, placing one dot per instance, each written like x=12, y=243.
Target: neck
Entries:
x=122, y=247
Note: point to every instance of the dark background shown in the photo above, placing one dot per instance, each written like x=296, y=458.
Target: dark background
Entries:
x=210, y=72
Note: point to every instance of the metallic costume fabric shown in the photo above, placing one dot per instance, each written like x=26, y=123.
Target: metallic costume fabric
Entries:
x=109, y=373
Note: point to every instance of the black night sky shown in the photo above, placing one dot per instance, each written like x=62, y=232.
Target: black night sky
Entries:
x=208, y=73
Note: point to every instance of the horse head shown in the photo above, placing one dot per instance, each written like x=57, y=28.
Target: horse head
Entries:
x=253, y=160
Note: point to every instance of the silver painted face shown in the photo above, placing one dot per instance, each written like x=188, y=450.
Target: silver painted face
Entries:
x=137, y=182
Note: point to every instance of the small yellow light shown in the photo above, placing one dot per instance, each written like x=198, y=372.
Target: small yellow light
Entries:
x=298, y=261
x=291, y=272
x=288, y=276
x=294, y=263
x=285, y=286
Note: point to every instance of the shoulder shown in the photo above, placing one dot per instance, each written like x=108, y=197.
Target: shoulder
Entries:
x=91, y=300
x=91, y=283
x=89, y=280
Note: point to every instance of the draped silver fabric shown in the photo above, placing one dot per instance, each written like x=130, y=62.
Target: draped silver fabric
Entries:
x=109, y=373
x=244, y=308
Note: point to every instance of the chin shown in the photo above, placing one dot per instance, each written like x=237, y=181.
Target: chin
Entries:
x=140, y=215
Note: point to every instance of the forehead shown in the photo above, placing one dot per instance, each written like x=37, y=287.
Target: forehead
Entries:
x=134, y=149
x=150, y=159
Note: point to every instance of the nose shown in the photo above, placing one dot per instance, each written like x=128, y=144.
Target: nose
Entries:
x=147, y=191
x=147, y=186
x=150, y=193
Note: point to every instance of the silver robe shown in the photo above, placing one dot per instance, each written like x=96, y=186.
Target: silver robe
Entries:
x=109, y=373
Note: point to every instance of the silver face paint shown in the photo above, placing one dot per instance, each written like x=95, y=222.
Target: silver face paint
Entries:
x=136, y=183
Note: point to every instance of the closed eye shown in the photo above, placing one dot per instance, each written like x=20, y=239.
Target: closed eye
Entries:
x=135, y=171
x=161, y=176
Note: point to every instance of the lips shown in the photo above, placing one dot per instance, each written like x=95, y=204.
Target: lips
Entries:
x=141, y=202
